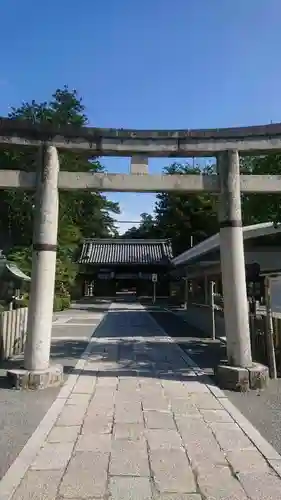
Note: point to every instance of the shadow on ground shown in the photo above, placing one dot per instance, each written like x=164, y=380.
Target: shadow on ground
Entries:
x=142, y=349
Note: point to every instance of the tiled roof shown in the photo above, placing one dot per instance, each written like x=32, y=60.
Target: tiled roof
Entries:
x=114, y=251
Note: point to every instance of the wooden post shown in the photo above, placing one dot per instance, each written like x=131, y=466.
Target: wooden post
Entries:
x=269, y=332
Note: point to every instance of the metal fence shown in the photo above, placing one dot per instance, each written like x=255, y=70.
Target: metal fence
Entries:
x=13, y=326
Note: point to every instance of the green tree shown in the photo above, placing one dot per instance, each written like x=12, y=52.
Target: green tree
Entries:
x=261, y=207
x=81, y=214
x=146, y=229
x=182, y=218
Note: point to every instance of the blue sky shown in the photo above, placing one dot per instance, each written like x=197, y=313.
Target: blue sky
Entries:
x=146, y=64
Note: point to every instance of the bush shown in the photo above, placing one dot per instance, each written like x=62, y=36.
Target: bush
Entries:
x=61, y=302
x=65, y=302
x=57, y=304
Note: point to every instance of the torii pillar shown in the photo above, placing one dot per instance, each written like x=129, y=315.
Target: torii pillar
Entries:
x=240, y=373
x=37, y=372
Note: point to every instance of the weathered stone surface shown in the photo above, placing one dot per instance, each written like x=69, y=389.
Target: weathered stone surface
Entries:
x=129, y=459
x=130, y=432
x=247, y=461
x=195, y=386
x=178, y=496
x=163, y=439
x=205, y=402
x=153, y=402
x=260, y=486
x=64, y=434
x=216, y=416
x=172, y=472
x=232, y=378
x=34, y=380
x=77, y=399
x=53, y=456
x=230, y=437
x=129, y=412
x=86, y=476
x=159, y=420
x=258, y=376
x=203, y=450
x=107, y=382
x=39, y=485
x=85, y=384
x=130, y=488
x=94, y=442
x=71, y=415
x=218, y=483
x=97, y=424
x=184, y=406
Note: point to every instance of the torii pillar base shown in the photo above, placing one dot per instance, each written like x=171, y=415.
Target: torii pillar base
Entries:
x=37, y=379
x=236, y=378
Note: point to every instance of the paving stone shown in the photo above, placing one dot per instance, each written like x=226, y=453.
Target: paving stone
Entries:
x=159, y=420
x=129, y=412
x=71, y=415
x=206, y=401
x=126, y=396
x=104, y=396
x=184, y=406
x=195, y=426
x=203, y=451
x=130, y=488
x=261, y=486
x=78, y=399
x=172, y=472
x=94, y=442
x=216, y=416
x=97, y=424
x=128, y=384
x=129, y=458
x=107, y=382
x=178, y=496
x=85, y=384
x=163, y=439
x=100, y=408
x=276, y=466
x=64, y=434
x=86, y=475
x=230, y=437
x=219, y=484
x=37, y=485
x=247, y=461
x=53, y=456
x=195, y=386
x=155, y=403
x=131, y=432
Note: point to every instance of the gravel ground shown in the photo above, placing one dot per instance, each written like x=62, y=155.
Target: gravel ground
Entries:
x=262, y=409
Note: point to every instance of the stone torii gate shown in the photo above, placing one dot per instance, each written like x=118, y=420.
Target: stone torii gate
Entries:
x=224, y=144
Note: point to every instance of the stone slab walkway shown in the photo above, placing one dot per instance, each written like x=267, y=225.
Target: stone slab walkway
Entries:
x=139, y=421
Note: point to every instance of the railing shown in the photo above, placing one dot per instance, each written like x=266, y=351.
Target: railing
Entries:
x=13, y=326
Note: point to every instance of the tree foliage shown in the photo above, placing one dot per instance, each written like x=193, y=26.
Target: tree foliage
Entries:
x=188, y=219
x=81, y=214
x=261, y=207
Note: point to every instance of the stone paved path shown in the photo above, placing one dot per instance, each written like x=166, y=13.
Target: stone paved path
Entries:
x=140, y=423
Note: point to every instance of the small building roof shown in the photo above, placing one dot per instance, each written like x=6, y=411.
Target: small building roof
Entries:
x=10, y=271
x=213, y=243
x=133, y=251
